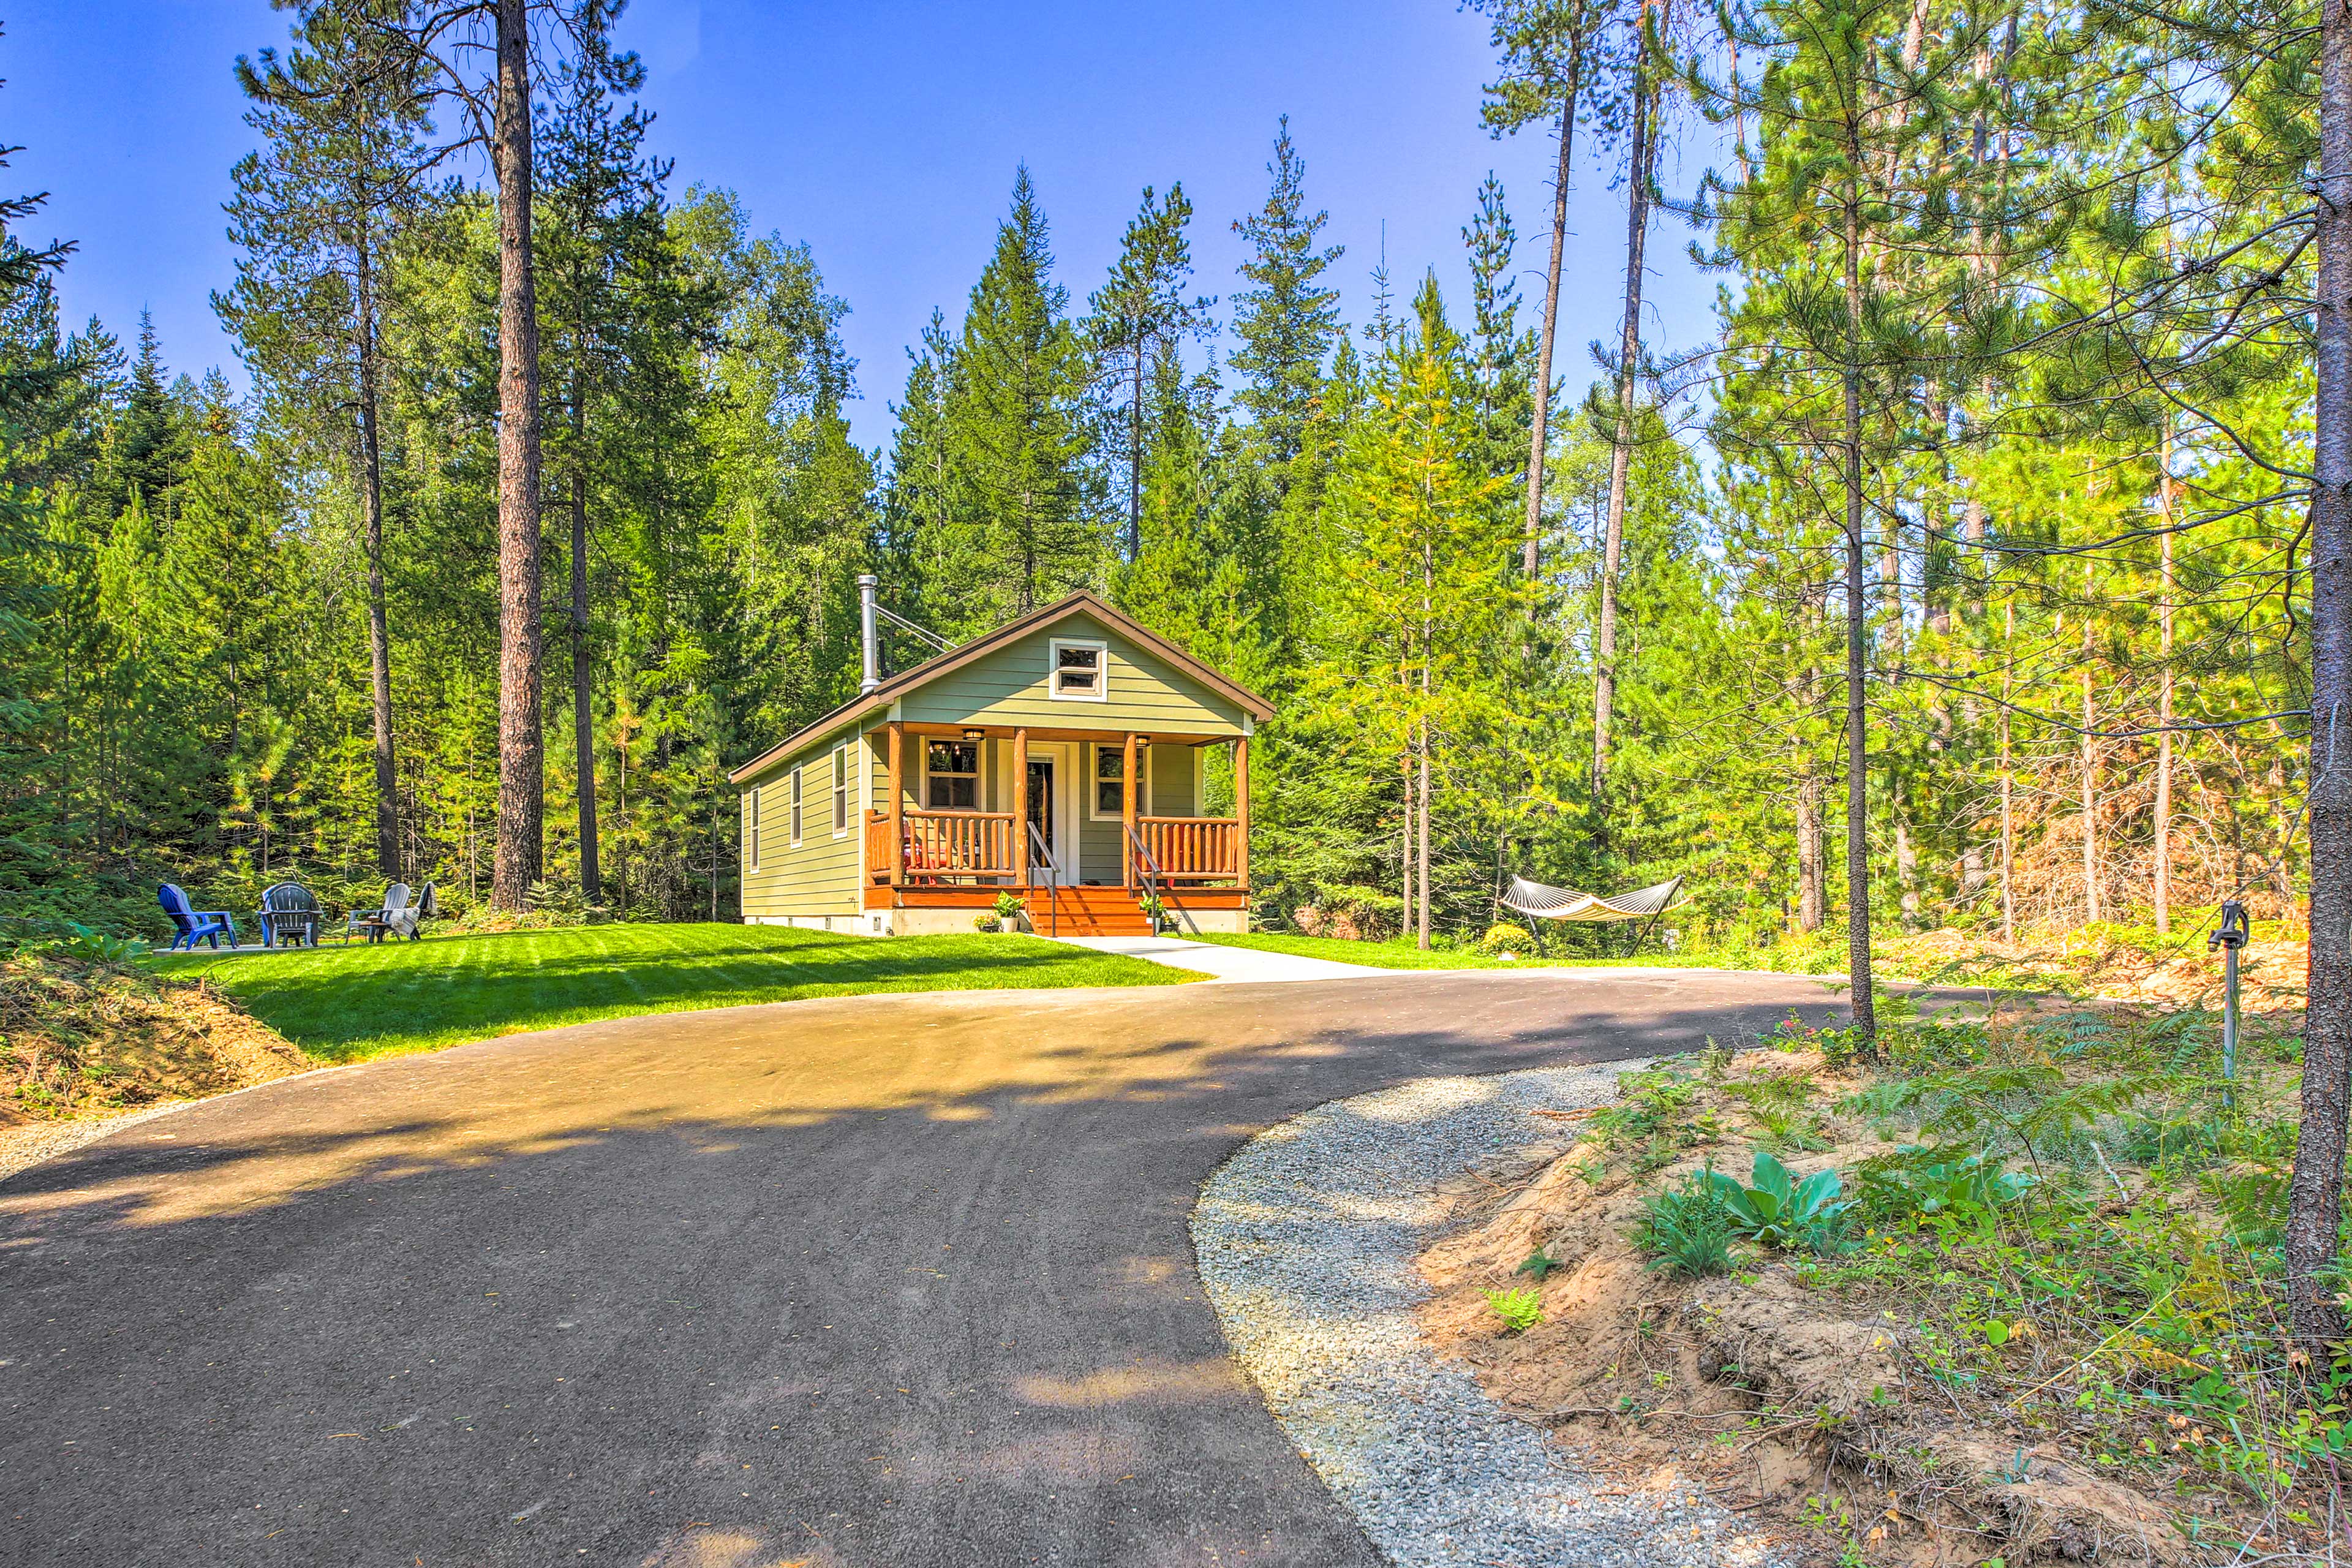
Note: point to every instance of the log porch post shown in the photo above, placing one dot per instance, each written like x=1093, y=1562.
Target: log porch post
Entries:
x=1021, y=806
x=1127, y=816
x=1240, y=810
x=897, y=803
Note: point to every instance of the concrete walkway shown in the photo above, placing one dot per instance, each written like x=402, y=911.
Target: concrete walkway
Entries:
x=1221, y=962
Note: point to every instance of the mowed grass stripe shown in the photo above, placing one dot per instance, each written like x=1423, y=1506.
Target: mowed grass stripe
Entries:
x=348, y=1003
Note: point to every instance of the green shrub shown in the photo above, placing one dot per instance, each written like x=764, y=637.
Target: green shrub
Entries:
x=1503, y=937
x=1520, y=1309
x=1687, y=1229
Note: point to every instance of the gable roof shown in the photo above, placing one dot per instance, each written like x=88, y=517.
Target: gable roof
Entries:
x=1081, y=603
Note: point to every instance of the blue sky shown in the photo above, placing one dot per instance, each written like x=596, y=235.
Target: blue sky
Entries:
x=886, y=135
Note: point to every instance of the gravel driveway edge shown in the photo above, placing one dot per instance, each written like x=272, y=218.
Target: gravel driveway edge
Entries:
x=1306, y=1239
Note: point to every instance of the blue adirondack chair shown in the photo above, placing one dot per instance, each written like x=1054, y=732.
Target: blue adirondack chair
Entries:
x=194, y=925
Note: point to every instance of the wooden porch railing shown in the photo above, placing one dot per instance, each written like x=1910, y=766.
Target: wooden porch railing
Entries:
x=1192, y=848
x=943, y=843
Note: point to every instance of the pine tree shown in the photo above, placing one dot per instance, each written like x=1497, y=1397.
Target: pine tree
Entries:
x=1137, y=315
x=1549, y=50
x=1286, y=319
x=1023, y=499
x=318, y=213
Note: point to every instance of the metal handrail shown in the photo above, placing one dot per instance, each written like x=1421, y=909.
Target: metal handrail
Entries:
x=1040, y=854
x=1151, y=871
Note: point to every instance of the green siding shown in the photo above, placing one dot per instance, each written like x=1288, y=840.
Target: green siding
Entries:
x=1009, y=687
x=820, y=878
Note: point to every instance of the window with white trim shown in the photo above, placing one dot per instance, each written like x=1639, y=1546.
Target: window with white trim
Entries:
x=1109, y=773
x=841, y=792
x=1078, y=671
x=796, y=808
x=751, y=829
x=951, y=775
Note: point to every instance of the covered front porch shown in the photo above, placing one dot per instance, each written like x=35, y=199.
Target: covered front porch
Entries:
x=1077, y=823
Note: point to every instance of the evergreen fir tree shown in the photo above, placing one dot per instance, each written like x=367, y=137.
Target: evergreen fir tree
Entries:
x=1024, y=524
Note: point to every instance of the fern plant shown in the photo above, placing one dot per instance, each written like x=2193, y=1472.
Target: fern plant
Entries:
x=1520, y=1309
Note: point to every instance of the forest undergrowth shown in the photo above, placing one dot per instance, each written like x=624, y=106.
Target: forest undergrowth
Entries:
x=2009, y=1292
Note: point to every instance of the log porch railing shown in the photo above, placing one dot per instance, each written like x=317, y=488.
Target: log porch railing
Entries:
x=953, y=845
x=943, y=843
x=1192, y=848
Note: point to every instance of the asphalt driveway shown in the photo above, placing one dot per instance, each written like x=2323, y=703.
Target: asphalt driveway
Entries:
x=877, y=1280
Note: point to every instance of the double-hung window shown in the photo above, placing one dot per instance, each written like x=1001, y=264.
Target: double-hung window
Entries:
x=1110, y=780
x=840, y=792
x=1080, y=671
x=751, y=829
x=796, y=807
x=951, y=775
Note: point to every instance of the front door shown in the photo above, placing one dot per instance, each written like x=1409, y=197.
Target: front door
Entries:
x=1042, y=816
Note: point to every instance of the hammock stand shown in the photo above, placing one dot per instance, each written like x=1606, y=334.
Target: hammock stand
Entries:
x=1647, y=904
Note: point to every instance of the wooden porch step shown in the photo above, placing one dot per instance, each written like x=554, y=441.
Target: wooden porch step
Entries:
x=1088, y=911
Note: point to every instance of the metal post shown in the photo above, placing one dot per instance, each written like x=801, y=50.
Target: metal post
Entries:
x=868, y=634
x=2235, y=932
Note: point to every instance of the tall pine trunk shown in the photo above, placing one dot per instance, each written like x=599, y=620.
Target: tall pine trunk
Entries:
x=2166, y=498
x=387, y=805
x=1857, y=627
x=1532, y=549
x=2008, y=783
x=521, y=766
x=2315, y=1200
x=1621, y=454
x=584, y=728
x=1135, y=460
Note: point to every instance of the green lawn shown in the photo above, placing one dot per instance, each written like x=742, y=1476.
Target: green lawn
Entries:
x=346, y=1004
x=1398, y=953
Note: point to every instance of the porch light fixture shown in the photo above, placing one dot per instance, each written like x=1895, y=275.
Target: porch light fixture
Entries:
x=972, y=734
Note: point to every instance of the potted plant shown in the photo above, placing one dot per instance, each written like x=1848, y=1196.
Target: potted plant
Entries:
x=1010, y=910
x=1153, y=911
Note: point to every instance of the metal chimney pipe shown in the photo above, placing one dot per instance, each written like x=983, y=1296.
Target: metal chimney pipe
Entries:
x=868, y=634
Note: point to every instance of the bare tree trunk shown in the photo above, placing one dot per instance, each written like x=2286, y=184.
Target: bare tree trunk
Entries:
x=2007, y=787
x=1531, y=551
x=1135, y=461
x=521, y=769
x=1424, y=832
x=1857, y=633
x=1620, y=453
x=2166, y=498
x=1810, y=890
x=1404, y=768
x=2316, y=1201
x=2092, y=910
x=584, y=728
x=387, y=809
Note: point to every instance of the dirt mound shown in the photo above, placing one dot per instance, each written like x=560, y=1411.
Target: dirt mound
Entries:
x=1760, y=1386
x=82, y=1040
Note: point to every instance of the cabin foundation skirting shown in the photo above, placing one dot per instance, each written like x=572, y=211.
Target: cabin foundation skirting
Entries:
x=856, y=925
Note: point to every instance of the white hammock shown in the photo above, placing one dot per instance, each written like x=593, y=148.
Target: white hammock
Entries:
x=1568, y=904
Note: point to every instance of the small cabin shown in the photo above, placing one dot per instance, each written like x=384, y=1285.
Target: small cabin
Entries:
x=1063, y=758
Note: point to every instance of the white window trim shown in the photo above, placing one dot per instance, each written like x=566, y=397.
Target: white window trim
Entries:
x=751, y=829
x=1143, y=780
x=979, y=774
x=840, y=791
x=796, y=798
x=1053, y=646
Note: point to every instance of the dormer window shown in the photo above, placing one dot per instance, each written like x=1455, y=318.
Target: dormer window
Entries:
x=1080, y=671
